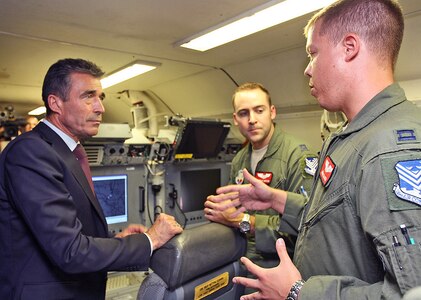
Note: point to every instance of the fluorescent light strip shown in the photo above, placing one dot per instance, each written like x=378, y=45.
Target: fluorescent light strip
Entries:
x=38, y=111
x=128, y=72
x=253, y=21
x=134, y=69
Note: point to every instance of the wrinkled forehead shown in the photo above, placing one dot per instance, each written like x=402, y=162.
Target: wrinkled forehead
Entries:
x=248, y=99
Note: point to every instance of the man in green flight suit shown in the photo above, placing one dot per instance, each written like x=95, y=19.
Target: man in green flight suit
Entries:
x=361, y=229
x=274, y=157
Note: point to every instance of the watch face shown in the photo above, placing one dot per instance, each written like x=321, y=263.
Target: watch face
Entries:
x=245, y=226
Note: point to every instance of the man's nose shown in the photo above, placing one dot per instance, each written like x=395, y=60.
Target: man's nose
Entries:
x=252, y=118
x=307, y=70
x=99, y=106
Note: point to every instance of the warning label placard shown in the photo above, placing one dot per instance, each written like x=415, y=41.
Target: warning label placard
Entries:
x=211, y=286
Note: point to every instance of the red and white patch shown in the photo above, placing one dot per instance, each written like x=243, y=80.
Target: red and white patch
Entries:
x=266, y=177
x=327, y=170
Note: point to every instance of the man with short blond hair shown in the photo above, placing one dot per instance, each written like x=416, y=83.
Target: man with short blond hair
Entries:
x=361, y=230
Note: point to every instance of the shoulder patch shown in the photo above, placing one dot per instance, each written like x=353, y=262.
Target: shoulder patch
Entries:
x=402, y=180
x=409, y=186
x=311, y=165
x=326, y=171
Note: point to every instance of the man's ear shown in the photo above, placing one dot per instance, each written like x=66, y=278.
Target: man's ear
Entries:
x=55, y=103
x=234, y=116
x=272, y=112
x=351, y=44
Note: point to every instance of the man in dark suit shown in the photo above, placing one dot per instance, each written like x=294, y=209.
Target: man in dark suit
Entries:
x=54, y=239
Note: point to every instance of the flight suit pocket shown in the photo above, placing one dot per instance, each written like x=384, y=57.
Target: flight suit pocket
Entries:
x=332, y=201
x=402, y=258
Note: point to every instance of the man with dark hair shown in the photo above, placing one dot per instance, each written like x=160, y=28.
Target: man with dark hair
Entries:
x=55, y=242
x=361, y=230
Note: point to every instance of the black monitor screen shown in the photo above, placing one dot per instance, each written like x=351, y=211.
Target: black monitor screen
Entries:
x=111, y=191
x=201, y=139
x=196, y=185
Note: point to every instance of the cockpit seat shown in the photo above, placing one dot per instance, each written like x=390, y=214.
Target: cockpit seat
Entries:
x=197, y=264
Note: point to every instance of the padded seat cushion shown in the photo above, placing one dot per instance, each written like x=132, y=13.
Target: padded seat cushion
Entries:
x=196, y=251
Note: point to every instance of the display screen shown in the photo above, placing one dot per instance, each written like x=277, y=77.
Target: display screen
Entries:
x=196, y=186
x=111, y=191
x=201, y=139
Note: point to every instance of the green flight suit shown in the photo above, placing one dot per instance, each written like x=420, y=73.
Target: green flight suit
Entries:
x=291, y=165
x=350, y=245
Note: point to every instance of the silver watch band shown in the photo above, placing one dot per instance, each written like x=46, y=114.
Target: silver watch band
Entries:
x=295, y=290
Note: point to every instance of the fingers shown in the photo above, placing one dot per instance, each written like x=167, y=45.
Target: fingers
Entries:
x=136, y=228
x=220, y=206
x=210, y=214
x=132, y=229
x=229, y=189
x=251, y=267
x=290, y=273
x=282, y=251
x=247, y=282
x=237, y=212
x=221, y=197
x=250, y=178
x=163, y=229
x=210, y=204
x=211, y=210
x=271, y=283
x=254, y=296
x=174, y=227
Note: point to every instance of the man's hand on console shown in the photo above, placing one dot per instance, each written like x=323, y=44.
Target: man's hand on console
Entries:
x=163, y=229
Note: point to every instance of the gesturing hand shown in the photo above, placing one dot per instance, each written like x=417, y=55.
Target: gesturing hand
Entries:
x=216, y=212
x=273, y=283
x=253, y=196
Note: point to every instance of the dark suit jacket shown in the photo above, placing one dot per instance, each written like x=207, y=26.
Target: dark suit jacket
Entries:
x=54, y=238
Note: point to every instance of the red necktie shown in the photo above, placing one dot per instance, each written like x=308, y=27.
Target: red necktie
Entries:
x=82, y=157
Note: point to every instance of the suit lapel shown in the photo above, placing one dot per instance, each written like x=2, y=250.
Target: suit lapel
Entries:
x=64, y=152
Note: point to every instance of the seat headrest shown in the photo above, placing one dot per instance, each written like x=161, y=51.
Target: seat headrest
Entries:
x=196, y=251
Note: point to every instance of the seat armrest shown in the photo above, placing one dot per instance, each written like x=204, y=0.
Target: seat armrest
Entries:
x=196, y=251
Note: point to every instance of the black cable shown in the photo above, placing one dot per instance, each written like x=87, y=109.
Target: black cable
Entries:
x=147, y=92
x=149, y=212
x=182, y=212
x=156, y=214
x=156, y=188
x=229, y=76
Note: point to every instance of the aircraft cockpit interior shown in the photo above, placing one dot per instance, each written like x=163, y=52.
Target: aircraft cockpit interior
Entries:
x=209, y=150
x=136, y=182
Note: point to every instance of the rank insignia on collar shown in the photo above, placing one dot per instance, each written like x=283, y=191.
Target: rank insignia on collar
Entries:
x=303, y=147
x=327, y=170
x=311, y=165
x=266, y=177
x=406, y=136
x=409, y=186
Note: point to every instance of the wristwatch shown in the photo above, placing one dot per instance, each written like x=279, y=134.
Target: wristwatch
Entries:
x=295, y=290
x=245, y=224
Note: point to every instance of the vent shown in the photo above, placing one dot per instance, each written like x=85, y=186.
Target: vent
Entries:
x=95, y=154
